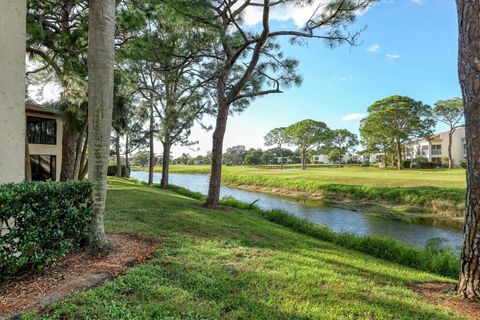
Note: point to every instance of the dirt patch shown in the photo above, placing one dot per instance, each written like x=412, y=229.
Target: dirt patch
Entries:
x=77, y=271
x=443, y=294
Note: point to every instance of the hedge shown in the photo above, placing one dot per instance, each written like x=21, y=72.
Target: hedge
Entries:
x=41, y=221
x=112, y=171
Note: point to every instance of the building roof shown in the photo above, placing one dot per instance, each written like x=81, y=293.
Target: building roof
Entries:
x=36, y=108
x=434, y=137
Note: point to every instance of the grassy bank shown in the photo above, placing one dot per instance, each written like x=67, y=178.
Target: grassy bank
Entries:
x=438, y=192
x=238, y=265
x=432, y=259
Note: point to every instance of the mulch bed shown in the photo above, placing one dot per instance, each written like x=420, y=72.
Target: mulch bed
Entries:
x=75, y=272
x=443, y=294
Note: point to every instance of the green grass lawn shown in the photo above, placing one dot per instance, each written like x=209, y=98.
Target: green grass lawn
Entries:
x=236, y=265
x=442, y=178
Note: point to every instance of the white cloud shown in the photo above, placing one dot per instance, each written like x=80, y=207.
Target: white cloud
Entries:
x=418, y=1
x=353, y=116
x=299, y=14
x=374, y=48
x=393, y=56
x=346, y=78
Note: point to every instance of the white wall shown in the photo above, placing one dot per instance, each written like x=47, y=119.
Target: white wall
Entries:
x=12, y=90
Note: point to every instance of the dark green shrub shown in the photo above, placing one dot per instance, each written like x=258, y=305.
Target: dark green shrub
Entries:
x=428, y=165
x=112, y=171
x=407, y=164
x=41, y=221
x=463, y=164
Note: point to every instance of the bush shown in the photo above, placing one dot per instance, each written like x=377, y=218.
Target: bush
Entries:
x=463, y=164
x=428, y=165
x=112, y=171
x=41, y=221
x=407, y=164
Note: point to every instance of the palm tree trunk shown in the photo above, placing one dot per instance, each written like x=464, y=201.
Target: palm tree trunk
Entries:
x=78, y=152
x=69, y=148
x=83, y=160
x=469, y=73
x=101, y=56
x=165, y=163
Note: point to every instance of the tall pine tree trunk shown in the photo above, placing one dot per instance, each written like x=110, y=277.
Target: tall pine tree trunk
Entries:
x=101, y=56
x=151, y=166
x=281, y=157
x=118, y=157
x=127, y=158
x=399, y=156
x=450, y=160
x=213, y=197
x=469, y=74
x=165, y=163
x=304, y=160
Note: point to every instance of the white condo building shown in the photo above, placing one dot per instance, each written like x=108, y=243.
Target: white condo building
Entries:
x=435, y=148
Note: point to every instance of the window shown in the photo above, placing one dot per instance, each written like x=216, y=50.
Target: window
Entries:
x=437, y=160
x=43, y=167
x=424, y=151
x=437, y=149
x=41, y=130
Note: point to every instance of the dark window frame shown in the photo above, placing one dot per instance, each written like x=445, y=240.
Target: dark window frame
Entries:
x=41, y=130
x=35, y=164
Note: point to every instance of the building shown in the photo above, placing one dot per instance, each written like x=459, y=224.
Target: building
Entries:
x=435, y=148
x=44, y=135
x=12, y=90
x=323, y=159
x=286, y=160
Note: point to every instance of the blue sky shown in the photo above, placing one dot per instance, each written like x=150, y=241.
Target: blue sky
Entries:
x=409, y=48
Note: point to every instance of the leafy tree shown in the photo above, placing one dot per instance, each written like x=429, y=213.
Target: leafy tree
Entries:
x=267, y=158
x=469, y=73
x=235, y=156
x=276, y=137
x=254, y=157
x=57, y=43
x=248, y=63
x=396, y=120
x=121, y=113
x=306, y=135
x=141, y=158
x=449, y=112
x=167, y=57
x=101, y=56
x=341, y=141
x=334, y=155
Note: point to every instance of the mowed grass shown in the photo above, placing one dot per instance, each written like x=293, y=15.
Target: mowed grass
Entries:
x=236, y=265
x=441, y=178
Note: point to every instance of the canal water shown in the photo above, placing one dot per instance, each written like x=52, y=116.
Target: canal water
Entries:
x=339, y=220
